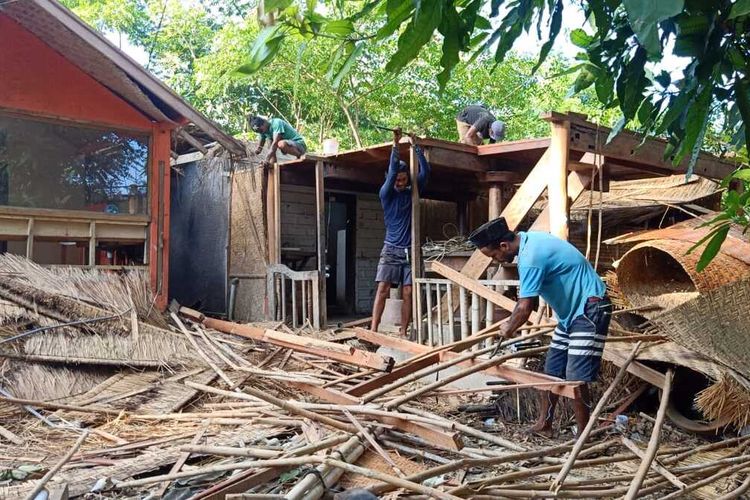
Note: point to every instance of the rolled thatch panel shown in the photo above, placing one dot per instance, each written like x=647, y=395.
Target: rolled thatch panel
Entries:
x=715, y=324
x=662, y=273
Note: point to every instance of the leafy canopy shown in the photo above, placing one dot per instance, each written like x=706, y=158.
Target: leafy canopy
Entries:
x=626, y=48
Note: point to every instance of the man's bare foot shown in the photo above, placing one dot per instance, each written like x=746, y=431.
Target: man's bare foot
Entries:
x=541, y=429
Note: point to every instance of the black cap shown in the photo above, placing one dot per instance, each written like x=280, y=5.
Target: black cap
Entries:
x=491, y=233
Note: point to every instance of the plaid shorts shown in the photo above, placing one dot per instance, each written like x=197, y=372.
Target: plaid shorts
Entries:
x=576, y=352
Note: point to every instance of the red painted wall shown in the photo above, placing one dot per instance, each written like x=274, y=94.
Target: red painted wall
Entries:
x=36, y=79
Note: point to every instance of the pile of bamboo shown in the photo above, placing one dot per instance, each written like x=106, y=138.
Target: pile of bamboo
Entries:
x=265, y=412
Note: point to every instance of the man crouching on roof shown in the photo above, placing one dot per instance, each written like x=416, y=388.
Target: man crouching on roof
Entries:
x=394, y=267
x=555, y=270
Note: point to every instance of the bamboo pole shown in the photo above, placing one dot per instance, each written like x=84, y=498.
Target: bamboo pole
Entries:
x=59, y=465
x=375, y=446
x=654, y=465
x=200, y=351
x=653, y=442
x=560, y=479
x=254, y=394
x=181, y=461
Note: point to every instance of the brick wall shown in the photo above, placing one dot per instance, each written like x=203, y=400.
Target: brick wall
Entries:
x=370, y=233
x=298, y=224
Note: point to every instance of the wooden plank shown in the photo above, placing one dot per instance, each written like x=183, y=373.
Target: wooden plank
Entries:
x=577, y=184
x=518, y=375
x=518, y=206
x=513, y=146
x=329, y=350
x=473, y=286
x=557, y=183
x=451, y=441
x=632, y=151
x=396, y=374
x=618, y=357
x=320, y=219
x=330, y=395
x=510, y=373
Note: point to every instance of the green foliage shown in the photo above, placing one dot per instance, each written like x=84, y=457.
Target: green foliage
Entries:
x=319, y=64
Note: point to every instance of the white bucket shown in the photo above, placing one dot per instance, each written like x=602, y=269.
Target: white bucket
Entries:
x=330, y=146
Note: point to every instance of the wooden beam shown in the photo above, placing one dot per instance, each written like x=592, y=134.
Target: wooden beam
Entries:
x=320, y=219
x=276, y=213
x=192, y=141
x=618, y=357
x=30, y=239
x=513, y=146
x=329, y=395
x=396, y=374
x=451, y=441
x=510, y=373
x=633, y=151
x=557, y=185
x=495, y=201
x=271, y=181
x=577, y=184
x=416, y=232
x=92, y=243
x=502, y=176
x=322, y=348
x=473, y=286
x=458, y=160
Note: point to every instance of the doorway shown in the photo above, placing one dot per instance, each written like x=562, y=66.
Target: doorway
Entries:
x=340, y=270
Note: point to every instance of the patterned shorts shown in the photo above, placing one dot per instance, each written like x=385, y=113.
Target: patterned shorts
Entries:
x=576, y=352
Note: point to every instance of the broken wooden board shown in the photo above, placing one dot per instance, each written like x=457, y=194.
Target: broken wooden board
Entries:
x=322, y=348
x=509, y=373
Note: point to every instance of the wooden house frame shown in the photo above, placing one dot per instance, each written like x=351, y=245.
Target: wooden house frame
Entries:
x=561, y=165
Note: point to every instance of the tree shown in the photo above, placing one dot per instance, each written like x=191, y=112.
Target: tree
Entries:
x=623, y=50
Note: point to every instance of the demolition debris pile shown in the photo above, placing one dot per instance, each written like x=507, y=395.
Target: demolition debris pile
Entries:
x=101, y=393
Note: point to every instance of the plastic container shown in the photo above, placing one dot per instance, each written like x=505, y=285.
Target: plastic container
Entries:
x=330, y=146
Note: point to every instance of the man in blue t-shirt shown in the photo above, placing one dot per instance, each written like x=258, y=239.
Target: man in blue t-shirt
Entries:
x=556, y=271
x=394, y=267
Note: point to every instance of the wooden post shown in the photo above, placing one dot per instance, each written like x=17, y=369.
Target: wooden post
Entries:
x=320, y=214
x=272, y=203
x=557, y=179
x=30, y=239
x=416, y=233
x=495, y=198
x=462, y=217
x=277, y=212
x=92, y=244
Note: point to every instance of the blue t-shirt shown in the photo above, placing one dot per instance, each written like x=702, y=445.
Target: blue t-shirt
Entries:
x=556, y=270
x=397, y=204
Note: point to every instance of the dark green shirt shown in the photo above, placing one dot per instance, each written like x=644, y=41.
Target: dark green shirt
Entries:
x=282, y=128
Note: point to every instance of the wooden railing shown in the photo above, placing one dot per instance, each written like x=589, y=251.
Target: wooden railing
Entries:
x=293, y=296
x=439, y=321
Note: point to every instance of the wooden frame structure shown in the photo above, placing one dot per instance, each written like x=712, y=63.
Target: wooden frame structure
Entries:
x=562, y=166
